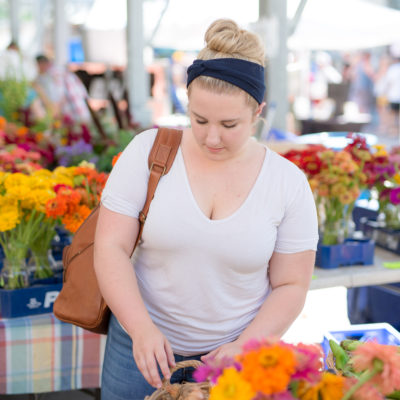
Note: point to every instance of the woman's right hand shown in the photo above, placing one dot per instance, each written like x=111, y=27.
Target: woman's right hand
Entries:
x=150, y=347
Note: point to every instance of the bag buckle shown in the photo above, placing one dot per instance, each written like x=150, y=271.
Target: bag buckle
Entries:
x=154, y=163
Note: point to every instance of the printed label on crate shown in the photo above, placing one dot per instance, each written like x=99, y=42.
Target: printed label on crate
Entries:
x=28, y=301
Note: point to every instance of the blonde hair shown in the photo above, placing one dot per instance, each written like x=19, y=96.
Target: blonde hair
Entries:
x=225, y=39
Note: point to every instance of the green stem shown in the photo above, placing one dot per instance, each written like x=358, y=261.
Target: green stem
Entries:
x=365, y=377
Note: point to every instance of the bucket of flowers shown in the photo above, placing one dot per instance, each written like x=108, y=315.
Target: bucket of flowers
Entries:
x=336, y=179
x=271, y=369
x=31, y=207
x=384, y=182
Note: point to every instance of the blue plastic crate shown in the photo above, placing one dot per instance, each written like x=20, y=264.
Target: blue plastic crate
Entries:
x=36, y=299
x=350, y=252
x=386, y=238
x=383, y=333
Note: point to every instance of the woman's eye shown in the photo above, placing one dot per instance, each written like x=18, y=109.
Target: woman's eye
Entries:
x=229, y=126
x=201, y=122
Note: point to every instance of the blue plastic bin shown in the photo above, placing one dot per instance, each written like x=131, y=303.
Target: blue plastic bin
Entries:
x=375, y=304
x=37, y=299
x=383, y=333
x=350, y=252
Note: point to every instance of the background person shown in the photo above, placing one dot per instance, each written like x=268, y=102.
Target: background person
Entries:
x=228, y=248
x=61, y=91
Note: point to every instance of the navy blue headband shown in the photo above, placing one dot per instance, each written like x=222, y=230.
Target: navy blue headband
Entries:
x=246, y=75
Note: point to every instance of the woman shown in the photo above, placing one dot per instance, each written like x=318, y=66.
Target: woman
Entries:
x=229, y=243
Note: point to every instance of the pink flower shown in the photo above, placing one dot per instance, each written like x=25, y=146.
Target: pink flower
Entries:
x=213, y=368
x=395, y=196
x=366, y=356
x=309, y=359
x=278, y=396
x=365, y=392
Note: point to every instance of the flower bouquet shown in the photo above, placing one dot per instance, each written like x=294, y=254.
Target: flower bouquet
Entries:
x=22, y=201
x=77, y=193
x=336, y=179
x=274, y=370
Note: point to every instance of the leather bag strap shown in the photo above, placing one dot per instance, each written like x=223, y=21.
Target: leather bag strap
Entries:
x=161, y=158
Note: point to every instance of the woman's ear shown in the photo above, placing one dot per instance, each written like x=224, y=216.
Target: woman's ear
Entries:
x=258, y=111
x=260, y=108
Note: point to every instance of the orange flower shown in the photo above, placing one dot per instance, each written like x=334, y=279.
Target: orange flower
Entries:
x=71, y=197
x=366, y=357
x=3, y=122
x=115, y=159
x=74, y=220
x=330, y=387
x=269, y=368
x=56, y=207
x=22, y=131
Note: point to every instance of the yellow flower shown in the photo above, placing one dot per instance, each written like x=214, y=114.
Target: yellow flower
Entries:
x=86, y=164
x=380, y=150
x=9, y=217
x=15, y=180
x=63, y=176
x=43, y=173
x=396, y=178
x=231, y=386
x=19, y=192
x=330, y=387
x=41, y=197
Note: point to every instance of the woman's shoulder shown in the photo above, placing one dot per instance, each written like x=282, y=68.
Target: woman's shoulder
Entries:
x=142, y=141
x=283, y=167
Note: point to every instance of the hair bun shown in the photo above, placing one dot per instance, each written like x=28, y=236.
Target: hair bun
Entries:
x=224, y=38
x=221, y=35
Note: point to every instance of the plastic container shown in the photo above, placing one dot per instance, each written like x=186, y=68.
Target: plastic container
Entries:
x=36, y=299
x=383, y=333
x=386, y=238
x=350, y=252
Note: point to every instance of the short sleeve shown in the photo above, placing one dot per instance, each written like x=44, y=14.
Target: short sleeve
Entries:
x=126, y=187
x=298, y=230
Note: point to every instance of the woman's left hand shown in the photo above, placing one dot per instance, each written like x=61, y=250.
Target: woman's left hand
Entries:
x=226, y=350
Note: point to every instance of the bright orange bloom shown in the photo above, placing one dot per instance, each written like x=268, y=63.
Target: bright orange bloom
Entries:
x=269, y=368
x=3, y=122
x=365, y=357
x=56, y=207
x=330, y=387
x=74, y=220
x=22, y=131
x=115, y=159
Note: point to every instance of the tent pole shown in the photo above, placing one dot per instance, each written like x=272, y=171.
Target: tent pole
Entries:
x=277, y=85
x=60, y=33
x=137, y=77
x=14, y=20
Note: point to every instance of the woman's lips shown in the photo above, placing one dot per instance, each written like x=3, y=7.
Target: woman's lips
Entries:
x=214, y=150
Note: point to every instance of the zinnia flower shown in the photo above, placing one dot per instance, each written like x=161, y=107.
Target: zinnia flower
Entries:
x=231, y=386
x=9, y=218
x=74, y=220
x=395, y=196
x=269, y=369
x=365, y=392
x=366, y=356
x=213, y=368
x=330, y=387
x=309, y=362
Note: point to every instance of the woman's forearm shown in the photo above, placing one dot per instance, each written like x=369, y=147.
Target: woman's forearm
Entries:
x=118, y=285
x=277, y=313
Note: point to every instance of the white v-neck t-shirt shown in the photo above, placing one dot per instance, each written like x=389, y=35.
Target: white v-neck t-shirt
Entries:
x=203, y=281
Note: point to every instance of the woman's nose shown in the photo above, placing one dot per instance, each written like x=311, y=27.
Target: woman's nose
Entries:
x=213, y=136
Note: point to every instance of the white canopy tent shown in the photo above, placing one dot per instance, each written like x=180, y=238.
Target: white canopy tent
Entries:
x=344, y=25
